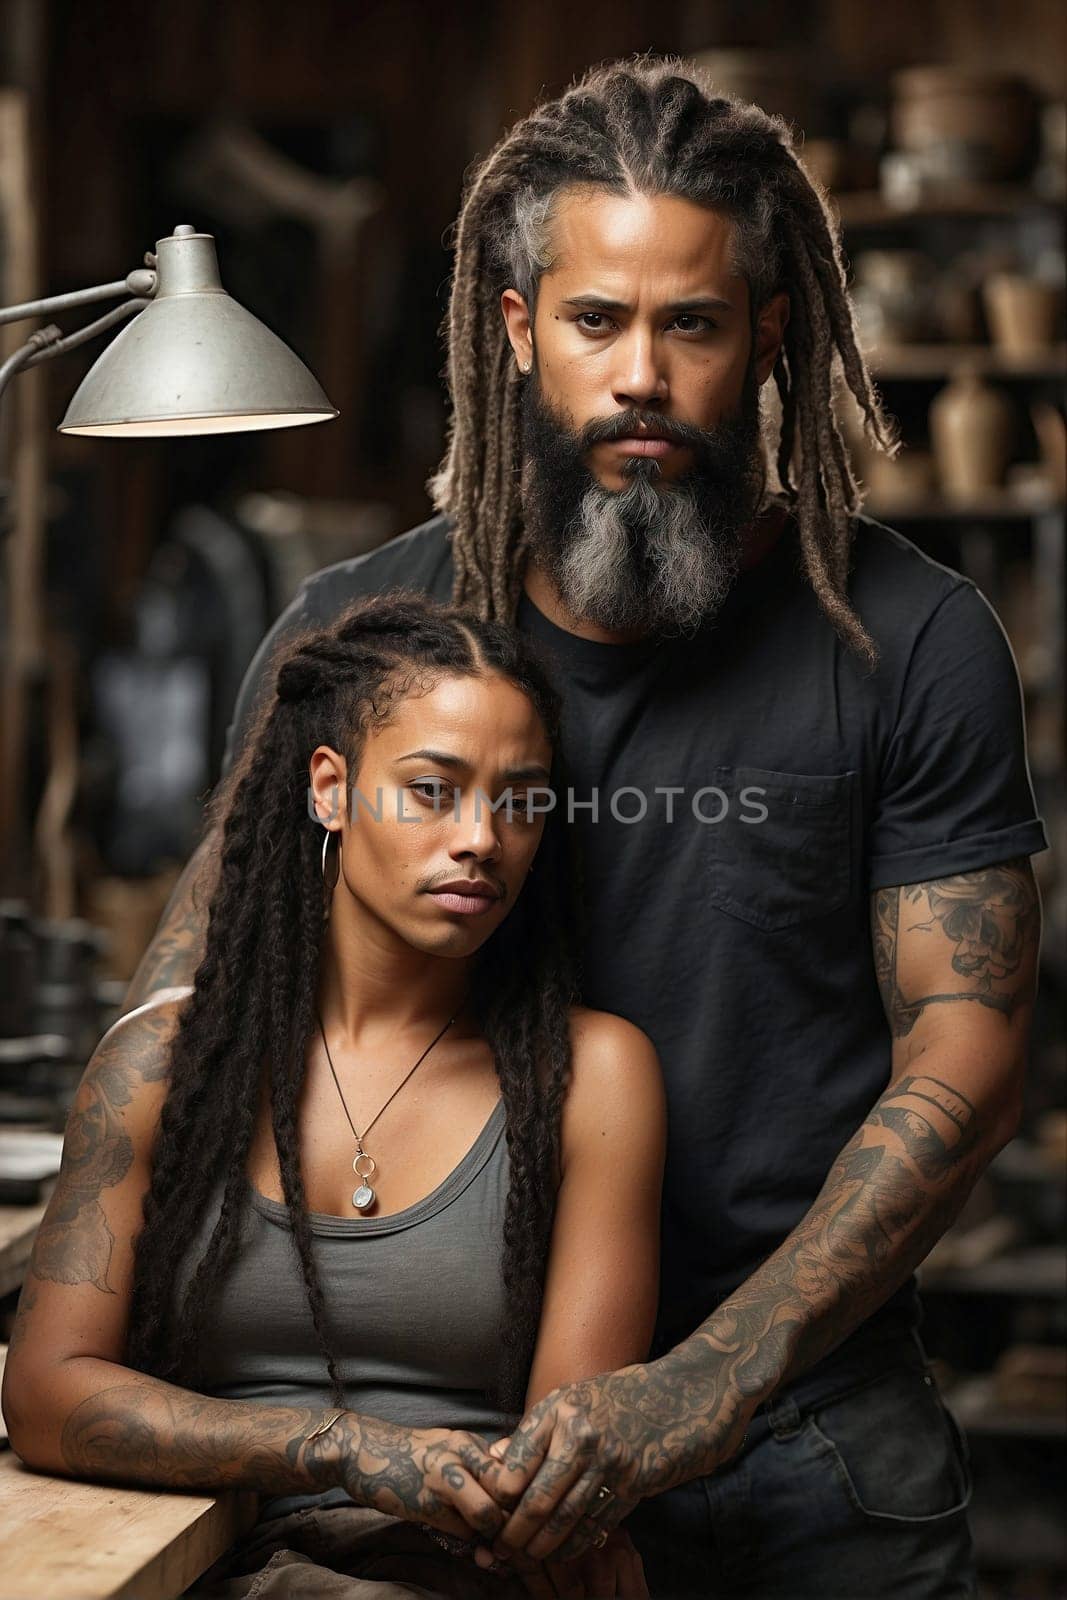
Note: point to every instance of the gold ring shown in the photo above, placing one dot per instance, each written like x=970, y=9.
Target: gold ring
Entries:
x=601, y=1539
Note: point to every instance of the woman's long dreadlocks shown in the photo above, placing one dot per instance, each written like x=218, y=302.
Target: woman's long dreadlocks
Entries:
x=252, y=1008
x=651, y=127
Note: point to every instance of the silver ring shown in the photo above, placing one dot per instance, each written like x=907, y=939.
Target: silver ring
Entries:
x=604, y=1495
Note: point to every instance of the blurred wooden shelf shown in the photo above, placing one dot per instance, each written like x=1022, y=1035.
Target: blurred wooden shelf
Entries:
x=868, y=208
x=1040, y=1271
x=976, y=1408
x=937, y=361
x=1023, y=1161
x=994, y=506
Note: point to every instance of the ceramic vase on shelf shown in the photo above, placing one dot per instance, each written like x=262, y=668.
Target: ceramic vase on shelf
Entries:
x=1023, y=313
x=972, y=428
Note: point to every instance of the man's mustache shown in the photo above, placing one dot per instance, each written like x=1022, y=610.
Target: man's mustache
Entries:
x=638, y=424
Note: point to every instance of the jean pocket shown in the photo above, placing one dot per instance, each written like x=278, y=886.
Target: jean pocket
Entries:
x=781, y=855
x=896, y=1448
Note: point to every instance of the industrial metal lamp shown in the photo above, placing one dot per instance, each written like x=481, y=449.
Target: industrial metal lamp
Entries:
x=191, y=361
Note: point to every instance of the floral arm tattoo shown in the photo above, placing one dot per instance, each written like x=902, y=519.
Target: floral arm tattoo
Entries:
x=984, y=924
x=75, y=1242
x=971, y=941
x=967, y=942
x=116, y=1423
x=956, y=962
x=151, y=1432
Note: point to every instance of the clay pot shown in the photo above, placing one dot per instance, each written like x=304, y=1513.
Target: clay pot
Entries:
x=827, y=160
x=989, y=119
x=1051, y=430
x=1023, y=313
x=972, y=427
x=908, y=481
x=891, y=296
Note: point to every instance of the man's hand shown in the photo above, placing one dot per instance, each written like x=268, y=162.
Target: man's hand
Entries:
x=636, y=1432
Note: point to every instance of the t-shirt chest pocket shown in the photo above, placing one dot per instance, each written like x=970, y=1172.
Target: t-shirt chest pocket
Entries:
x=782, y=853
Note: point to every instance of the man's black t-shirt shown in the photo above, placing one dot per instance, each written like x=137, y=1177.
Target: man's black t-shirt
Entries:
x=753, y=785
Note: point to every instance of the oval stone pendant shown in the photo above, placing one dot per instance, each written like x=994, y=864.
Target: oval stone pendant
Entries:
x=363, y=1197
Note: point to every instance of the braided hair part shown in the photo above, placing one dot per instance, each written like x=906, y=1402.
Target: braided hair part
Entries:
x=252, y=1007
x=652, y=126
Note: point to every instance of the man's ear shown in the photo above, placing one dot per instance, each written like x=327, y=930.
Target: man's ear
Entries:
x=770, y=331
x=517, y=321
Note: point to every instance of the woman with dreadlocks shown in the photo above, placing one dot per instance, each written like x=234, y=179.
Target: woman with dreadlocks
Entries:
x=348, y=1281
x=799, y=785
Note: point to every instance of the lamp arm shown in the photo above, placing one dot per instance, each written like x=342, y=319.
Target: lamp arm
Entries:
x=141, y=281
x=51, y=341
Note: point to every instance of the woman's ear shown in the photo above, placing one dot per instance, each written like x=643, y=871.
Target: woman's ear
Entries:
x=327, y=790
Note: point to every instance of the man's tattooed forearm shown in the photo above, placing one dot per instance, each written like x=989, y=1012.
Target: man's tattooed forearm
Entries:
x=983, y=926
x=893, y=1190
x=888, y=1197
x=74, y=1243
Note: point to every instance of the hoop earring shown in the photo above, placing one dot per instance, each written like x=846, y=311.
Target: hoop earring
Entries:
x=331, y=883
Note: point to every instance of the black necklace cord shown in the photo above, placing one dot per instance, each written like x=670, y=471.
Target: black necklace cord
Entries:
x=359, y=1137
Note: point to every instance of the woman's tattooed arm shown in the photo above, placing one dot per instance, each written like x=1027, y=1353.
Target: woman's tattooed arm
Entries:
x=132, y=1428
x=73, y=1407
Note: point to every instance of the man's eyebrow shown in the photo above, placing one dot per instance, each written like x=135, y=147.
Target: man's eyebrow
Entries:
x=597, y=302
x=443, y=759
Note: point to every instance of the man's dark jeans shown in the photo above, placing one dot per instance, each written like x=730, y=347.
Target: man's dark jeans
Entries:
x=852, y=1484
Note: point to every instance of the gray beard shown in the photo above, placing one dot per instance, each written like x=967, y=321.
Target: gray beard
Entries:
x=657, y=556
x=643, y=558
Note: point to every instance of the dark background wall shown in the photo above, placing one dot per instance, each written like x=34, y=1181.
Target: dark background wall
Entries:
x=409, y=92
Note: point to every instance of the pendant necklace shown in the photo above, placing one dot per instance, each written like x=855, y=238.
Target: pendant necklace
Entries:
x=363, y=1165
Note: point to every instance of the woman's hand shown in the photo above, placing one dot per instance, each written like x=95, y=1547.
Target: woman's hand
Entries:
x=428, y=1475
x=614, y=1570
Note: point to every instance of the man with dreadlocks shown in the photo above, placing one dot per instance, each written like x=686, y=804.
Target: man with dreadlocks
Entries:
x=798, y=774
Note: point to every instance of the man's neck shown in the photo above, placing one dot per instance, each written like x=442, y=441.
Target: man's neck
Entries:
x=758, y=540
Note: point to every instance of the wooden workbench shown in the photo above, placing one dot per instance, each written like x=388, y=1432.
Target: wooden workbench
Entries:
x=66, y=1540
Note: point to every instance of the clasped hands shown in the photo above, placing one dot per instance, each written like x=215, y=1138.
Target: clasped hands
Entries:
x=635, y=1432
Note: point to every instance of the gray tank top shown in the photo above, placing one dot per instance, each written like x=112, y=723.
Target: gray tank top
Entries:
x=414, y=1304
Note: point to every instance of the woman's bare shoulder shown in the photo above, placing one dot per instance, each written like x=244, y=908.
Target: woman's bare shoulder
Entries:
x=616, y=1079
x=596, y=1035
x=130, y=1065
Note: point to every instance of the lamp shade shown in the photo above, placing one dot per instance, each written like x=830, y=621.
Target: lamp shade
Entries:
x=194, y=361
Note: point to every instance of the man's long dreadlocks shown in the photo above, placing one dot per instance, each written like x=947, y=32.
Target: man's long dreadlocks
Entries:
x=651, y=127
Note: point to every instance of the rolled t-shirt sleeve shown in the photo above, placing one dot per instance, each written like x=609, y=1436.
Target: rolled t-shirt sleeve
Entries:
x=955, y=793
